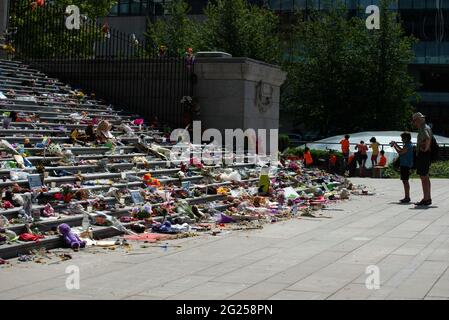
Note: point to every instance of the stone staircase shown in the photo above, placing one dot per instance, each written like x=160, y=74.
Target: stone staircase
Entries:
x=42, y=108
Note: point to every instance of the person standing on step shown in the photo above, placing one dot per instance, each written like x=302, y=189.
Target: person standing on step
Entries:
x=423, y=156
x=362, y=150
x=375, y=146
x=345, y=149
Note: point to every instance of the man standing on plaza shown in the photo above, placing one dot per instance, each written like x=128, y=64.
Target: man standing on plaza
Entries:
x=423, y=156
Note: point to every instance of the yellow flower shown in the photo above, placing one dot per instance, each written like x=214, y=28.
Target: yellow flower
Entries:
x=223, y=191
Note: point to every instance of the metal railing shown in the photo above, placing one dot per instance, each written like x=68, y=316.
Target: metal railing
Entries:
x=119, y=68
x=305, y=143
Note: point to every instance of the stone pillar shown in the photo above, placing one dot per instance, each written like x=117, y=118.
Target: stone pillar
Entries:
x=238, y=93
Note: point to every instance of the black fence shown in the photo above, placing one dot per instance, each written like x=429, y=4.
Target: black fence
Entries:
x=98, y=59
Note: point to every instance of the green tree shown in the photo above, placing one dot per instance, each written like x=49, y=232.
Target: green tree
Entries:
x=345, y=77
x=232, y=26
x=41, y=31
x=175, y=30
x=243, y=30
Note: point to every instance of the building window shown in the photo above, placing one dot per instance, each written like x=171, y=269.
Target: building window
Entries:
x=134, y=7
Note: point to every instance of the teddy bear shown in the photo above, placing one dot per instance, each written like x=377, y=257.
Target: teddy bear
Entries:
x=70, y=238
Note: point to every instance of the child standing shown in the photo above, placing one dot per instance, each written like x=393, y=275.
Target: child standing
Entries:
x=375, y=146
x=345, y=148
x=383, y=159
x=308, y=160
x=406, y=162
x=362, y=150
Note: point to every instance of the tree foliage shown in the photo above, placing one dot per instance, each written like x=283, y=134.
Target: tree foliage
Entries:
x=41, y=31
x=232, y=26
x=175, y=31
x=348, y=78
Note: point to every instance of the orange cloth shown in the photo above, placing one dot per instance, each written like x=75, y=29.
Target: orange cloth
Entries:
x=344, y=145
x=382, y=161
x=333, y=160
x=308, y=158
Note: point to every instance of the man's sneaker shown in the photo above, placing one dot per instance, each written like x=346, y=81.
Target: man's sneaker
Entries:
x=424, y=203
x=405, y=200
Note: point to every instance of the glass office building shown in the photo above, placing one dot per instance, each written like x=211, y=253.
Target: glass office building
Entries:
x=424, y=19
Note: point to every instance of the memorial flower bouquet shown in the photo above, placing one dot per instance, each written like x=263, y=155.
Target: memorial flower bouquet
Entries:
x=67, y=192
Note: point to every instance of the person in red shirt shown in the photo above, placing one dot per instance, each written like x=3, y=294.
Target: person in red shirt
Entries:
x=345, y=148
x=383, y=159
x=308, y=160
x=362, y=149
x=351, y=165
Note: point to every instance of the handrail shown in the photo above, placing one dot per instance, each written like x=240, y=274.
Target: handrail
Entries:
x=305, y=143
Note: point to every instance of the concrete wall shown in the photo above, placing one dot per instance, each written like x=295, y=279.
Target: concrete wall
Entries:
x=238, y=93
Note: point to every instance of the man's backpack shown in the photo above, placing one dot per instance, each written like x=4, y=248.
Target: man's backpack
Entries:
x=434, y=149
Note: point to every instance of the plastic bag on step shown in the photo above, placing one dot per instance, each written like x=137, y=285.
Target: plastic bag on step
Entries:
x=3, y=222
x=233, y=176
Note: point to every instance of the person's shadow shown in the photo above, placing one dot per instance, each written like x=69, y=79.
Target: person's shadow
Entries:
x=423, y=207
x=414, y=207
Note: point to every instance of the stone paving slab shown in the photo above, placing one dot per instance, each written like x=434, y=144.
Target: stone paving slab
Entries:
x=300, y=259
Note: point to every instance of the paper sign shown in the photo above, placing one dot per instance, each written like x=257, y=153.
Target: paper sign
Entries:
x=34, y=180
x=136, y=197
x=290, y=193
x=19, y=160
x=186, y=186
x=235, y=193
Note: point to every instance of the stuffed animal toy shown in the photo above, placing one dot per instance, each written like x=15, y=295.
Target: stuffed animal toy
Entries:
x=70, y=238
x=48, y=211
x=54, y=149
x=103, y=132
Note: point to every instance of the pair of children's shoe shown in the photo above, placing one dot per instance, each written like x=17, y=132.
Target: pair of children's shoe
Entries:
x=421, y=203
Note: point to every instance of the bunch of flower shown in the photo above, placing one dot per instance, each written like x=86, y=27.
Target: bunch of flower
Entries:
x=37, y=3
x=186, y=100
x=66, y=193
x=162, y=50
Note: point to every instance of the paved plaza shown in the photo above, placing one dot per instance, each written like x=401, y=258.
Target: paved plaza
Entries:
x=306, y=258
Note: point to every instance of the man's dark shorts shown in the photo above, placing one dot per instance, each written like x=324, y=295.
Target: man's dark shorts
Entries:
x=405, y=173
x=423, y=161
